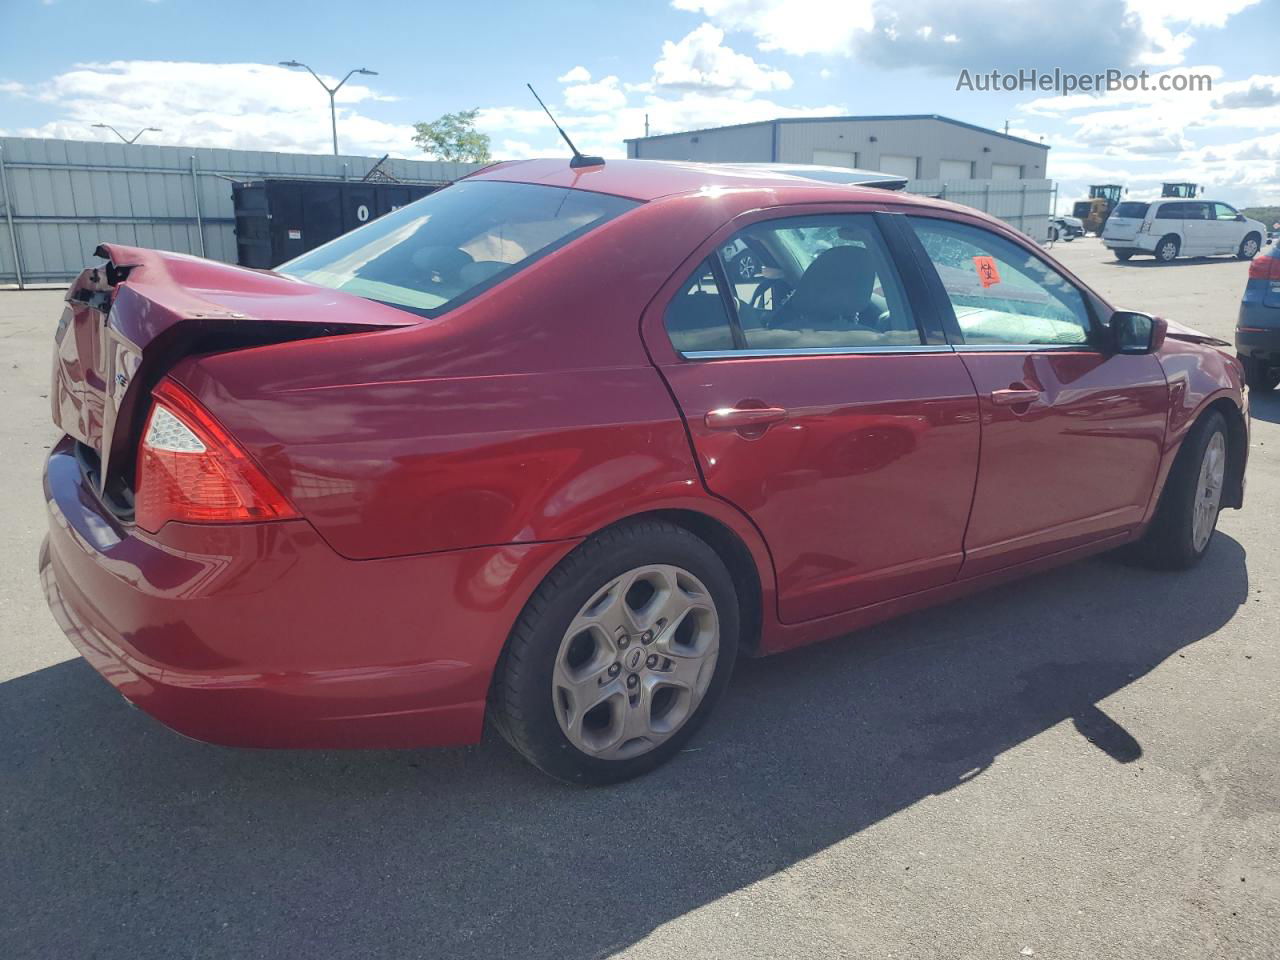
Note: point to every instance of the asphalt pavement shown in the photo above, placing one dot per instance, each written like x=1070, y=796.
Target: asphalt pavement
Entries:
x=1082, y=765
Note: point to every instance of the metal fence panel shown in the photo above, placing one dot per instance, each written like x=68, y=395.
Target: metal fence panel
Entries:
x=67, y=196
x=1023, y=204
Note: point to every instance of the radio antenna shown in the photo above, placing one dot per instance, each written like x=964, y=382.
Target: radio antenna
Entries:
x=580, y=159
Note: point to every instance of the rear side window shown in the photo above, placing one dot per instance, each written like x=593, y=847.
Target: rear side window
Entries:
x=1001, y=293
x=1196, y=211
x=1170, y=211
x=1131, y=208
x=697, y=318
x=447, y=247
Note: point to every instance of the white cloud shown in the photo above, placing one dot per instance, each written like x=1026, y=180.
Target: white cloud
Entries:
x=576, y=75
x=980, y=34
x=1167, y=24
x=603, y=132
x=791, y=26
x=701, y=61
x=1256, y=92
x=604, y=94
x=517, y=150
x=248, y=106
x=1246, y=105
x=1142, y=139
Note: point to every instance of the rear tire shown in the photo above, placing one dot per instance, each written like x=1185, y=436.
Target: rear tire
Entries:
x=1124, y=255
x=1259, y=375
x=1249, y=247
x=1187, y=515
x=557, y=697
x=1167, y=249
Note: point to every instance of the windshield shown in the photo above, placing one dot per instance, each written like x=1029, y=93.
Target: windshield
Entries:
x=449, y=246
x=1132, y=208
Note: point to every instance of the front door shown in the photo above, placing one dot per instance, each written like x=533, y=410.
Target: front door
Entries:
x=816, y=406
x=1071, y=432
x=1228, y=230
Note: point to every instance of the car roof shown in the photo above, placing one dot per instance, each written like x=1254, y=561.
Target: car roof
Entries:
x=652, y=179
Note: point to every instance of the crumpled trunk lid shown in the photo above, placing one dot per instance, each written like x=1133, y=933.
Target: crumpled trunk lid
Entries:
x=126, y=323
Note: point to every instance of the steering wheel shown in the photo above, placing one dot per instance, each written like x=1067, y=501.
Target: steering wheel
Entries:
x=780, y=290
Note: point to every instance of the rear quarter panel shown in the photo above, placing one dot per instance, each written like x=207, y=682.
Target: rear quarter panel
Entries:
x=531, y=413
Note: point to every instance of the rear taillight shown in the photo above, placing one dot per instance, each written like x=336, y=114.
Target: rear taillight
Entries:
x=191, y=470
x=1265, y=268
x=1146, y=227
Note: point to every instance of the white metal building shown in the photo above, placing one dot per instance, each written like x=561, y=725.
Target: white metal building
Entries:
x=1002, y=174
x=919, y=147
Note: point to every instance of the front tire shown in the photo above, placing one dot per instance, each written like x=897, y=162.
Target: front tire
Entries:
x=1249, y=247
x=1187, y=516
x=619, y=655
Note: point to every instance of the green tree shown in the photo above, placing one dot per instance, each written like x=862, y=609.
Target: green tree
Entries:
x=454, y=137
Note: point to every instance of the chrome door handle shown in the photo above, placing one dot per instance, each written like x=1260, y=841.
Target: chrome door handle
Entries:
x=736, y=418
x=1014, y=396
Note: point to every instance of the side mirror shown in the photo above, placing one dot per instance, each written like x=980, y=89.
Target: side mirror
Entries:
x=1240, y=218
x=1133, y=332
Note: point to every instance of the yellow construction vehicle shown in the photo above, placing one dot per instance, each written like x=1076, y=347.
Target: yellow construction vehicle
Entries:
x=1093, y=212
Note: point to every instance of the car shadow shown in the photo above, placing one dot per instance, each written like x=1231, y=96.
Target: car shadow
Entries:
x=1264, y=405
x=125, y=840
x=1147, y=263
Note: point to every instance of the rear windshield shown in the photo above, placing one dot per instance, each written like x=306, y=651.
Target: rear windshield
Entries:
x=447, y=247
x=1131, y=208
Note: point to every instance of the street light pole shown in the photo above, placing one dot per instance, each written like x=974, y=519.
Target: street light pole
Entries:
x=134, y=138
x=332, y=91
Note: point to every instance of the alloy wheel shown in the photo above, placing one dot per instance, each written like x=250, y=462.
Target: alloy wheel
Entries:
x=636, y=662
x=1208, y=499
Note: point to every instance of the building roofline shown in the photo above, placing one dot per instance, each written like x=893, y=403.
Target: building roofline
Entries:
x=860, y=119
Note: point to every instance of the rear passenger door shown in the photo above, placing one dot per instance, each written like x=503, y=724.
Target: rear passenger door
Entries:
x=1199, y=232
x=823, y=401
x=1166, y=219
x=1072, y=431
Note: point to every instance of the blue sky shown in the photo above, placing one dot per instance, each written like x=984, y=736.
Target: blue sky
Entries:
x=206, y=73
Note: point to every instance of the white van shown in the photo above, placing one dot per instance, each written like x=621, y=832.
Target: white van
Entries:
x=1172, y=228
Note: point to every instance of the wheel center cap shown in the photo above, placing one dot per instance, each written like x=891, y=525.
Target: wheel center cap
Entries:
x=634, y=659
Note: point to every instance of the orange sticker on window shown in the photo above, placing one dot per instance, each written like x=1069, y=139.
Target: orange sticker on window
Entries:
x=987, y=272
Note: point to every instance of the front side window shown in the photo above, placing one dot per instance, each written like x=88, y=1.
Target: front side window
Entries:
x=1223, y=212
x=453, y=244
x=817, y=283
x=1001, y=293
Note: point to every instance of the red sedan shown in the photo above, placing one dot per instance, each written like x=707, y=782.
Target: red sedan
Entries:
x=554, y=446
